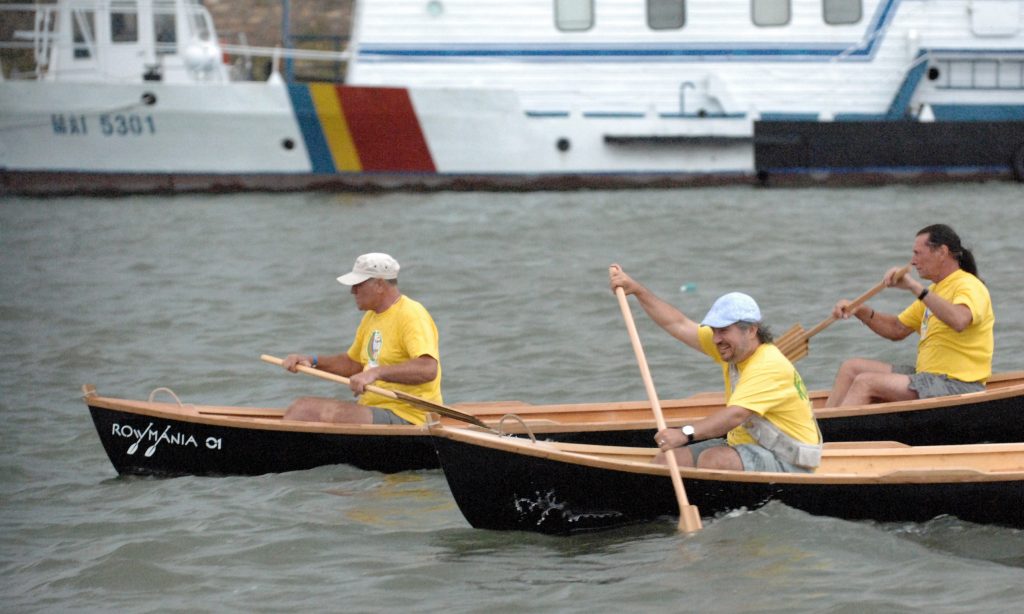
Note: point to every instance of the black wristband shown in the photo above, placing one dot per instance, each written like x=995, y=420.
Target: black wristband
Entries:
x=923, y=294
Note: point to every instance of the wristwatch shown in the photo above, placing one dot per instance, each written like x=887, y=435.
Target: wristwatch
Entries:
x=688, y=431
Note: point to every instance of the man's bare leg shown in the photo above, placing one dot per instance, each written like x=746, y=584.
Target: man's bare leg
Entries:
x=879, y=388
x=321, y=409
x=848, y=372
x=719, y=457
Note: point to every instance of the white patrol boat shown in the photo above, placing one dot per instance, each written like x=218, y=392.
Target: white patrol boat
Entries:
x=134, y=95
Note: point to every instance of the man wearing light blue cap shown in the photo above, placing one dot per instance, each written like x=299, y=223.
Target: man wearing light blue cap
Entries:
x=767, y=423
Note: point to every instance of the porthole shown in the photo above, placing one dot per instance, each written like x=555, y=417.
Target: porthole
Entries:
x=933, y=73
x=288, y=144
x=563, y=144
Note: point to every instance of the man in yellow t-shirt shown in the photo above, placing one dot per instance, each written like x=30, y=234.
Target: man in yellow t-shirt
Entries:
x=395, y=347
x=767, y=423
x=953, y=316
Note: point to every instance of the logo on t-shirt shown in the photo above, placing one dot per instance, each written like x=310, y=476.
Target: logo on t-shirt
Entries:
x=798, y=382
x=373, y=348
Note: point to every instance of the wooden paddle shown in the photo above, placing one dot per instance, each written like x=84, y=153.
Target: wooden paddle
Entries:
x=795, y=343
x=689, y=515
x=444, y=410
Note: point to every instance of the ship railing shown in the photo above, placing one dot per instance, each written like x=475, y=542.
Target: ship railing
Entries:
x=41, y=44
x=39, y=40
x=277, y=55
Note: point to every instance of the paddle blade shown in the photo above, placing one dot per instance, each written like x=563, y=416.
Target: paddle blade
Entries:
x=689, y=519
x=793, y=343
x=789, y=336
x=798, y=353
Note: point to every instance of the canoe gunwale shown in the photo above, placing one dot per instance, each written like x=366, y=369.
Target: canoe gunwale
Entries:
x=598, y=457
x=215, y=416
x=690, y=408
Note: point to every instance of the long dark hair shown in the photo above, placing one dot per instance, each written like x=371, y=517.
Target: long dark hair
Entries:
x=764, y=334
x=939, y=235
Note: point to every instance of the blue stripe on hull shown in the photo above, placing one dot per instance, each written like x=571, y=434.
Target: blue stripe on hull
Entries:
x=305, y=114
x=978, y=112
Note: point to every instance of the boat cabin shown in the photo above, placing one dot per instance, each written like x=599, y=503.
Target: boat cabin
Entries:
x=118, y=41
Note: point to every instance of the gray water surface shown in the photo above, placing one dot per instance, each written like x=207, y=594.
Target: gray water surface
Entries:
x=131, y=294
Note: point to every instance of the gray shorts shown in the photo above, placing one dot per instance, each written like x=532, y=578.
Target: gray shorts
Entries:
x=753, y=457
x=386, y=416
x=930, y=385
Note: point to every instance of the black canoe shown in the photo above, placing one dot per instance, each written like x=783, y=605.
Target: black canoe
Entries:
x=172, y=438
x=513, y=483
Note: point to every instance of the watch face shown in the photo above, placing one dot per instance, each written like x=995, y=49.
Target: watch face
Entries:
x=687, y=430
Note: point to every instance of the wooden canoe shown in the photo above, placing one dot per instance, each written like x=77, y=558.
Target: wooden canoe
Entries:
x=513, y=483
x=173, y=438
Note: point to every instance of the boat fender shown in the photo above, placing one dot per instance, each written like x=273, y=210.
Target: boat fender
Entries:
x=1018, y=163
x=782, y=445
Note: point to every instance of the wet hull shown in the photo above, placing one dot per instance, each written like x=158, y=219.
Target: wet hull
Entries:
x=147, y=445
x=502, y=490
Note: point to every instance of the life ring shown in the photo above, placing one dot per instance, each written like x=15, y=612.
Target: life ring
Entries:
x=1018, y=164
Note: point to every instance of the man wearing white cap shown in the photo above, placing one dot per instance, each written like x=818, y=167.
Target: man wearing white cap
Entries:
x=395, y=347
x=767, y=423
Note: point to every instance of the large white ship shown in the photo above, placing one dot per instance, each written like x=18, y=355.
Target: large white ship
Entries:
x=133, y=95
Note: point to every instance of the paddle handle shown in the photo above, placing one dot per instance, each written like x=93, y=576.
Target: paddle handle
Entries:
x=689, y=516
x=857, y=302
x=397, y=395
x=641, y=358
x=340, y=379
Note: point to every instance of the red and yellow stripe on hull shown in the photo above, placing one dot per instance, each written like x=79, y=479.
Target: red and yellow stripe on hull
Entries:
x=360, y=129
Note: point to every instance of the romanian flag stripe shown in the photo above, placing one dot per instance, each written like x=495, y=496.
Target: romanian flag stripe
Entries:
x=319, y=155
x=354, y=129
x=385, y=129
x=335, y=128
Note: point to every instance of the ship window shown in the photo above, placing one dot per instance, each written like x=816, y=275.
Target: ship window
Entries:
x=165, y=31
x=841, y=12
x=574, y=15
x=963, y=74
x=82, y=29
x=769, y=12
x=986, y=75
x=124, y=25
x=1011, y=75
x=666, y=14
x=960, y=75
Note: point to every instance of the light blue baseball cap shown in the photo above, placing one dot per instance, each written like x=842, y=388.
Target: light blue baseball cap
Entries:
x=731, y=308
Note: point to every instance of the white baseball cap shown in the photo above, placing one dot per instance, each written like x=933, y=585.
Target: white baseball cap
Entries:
x=371, y=266
x=731, y=308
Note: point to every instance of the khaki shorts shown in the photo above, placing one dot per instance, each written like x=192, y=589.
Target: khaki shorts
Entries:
x=753, y=457
x=930, y=385
x=386, y=416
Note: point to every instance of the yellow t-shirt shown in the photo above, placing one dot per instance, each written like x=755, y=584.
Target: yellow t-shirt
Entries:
x=403, y=332
x=768, y=385
x=967, y=355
